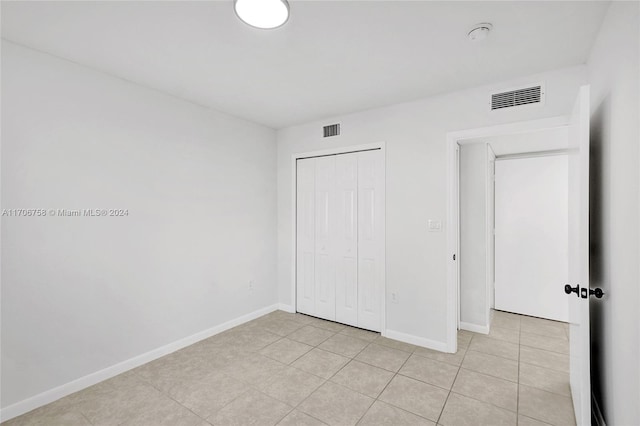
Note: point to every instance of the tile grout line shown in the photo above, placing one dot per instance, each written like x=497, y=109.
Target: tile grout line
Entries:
x=454, y=379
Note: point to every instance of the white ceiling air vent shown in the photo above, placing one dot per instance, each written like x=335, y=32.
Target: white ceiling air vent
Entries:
x=331, y=130
x=518, y=97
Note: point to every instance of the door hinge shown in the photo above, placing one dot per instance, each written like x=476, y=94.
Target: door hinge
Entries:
x=454, y=256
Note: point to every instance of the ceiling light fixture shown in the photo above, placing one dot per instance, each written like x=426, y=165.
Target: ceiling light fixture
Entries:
x=479, y=31
x=263, y=14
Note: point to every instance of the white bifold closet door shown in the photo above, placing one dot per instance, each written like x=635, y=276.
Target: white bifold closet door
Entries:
x=340, y=238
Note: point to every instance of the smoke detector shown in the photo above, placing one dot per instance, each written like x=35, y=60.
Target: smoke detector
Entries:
x=479, y=31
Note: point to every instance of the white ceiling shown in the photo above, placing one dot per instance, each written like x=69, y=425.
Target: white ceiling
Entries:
x=332, y=57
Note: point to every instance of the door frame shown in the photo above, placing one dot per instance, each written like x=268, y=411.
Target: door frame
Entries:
x=453, y=141
x=294, y=241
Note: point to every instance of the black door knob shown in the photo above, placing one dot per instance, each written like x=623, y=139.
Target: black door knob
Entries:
x=568, y=289
x=598, y=293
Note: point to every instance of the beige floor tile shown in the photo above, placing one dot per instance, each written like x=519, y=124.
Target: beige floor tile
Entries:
x=291, y=386
x=506, y=334
x=326, y=325
x=251, y=408
x=544, y=342
x=453, y=359
x=464, y=340
x=336, y=405
x=208, y=395
x=255, y=368
x=119, y=405
x=494, y=347
x=383, y=414
x=545, y=406
x=169, y=413
x=171, y=370
x=298, y=418
x=546, y=359
x=544, y=328
x=363, y=378
x=50, y=415
x=545, y=379
x=342, y=344
x=491, y=365
x=285, y=350
x=311, y=335
x=499, y=392
x=528, y=421
x=503, y=314
x=249, y=339
x=383, y=357
x=463, y=411
x=321, y=363
x=415, y=396
x=506, y=322
x=281, y=326
x=430, y=371
x=394, y=344
x=359, y=333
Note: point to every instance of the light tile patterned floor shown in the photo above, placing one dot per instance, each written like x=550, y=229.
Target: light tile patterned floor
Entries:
x=291, y=369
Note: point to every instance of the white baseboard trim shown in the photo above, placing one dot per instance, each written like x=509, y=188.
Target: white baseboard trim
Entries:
x=415, y=340
x=482, y=329
x=61, y=391
x=287, y=308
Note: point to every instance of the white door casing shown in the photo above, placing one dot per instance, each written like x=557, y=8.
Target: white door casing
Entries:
x=579, y=335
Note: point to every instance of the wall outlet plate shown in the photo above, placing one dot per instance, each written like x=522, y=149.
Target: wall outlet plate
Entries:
x=434, y=225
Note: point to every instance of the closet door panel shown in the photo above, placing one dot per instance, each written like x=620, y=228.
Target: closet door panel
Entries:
x=305, y=240
x=370, y=239
x=325, y=213
x=346, y=239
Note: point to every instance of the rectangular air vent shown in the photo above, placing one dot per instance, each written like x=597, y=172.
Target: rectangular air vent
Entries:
x=331, y=130
x=518, y=97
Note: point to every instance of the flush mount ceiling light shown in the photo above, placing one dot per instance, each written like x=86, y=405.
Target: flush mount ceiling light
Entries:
x=263, y=14
x=479, y=31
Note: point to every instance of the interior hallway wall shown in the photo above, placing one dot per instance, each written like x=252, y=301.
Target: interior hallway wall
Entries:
x=473, y=238
x=415, y=136
x=614, y=73
x=80, y=294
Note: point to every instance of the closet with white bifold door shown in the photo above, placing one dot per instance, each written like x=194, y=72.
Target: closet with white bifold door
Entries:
x=340, y=237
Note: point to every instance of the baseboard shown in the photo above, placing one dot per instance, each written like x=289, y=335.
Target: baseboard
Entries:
x=287, y=308
x=482, y=329
x=54, y=394
x=415, y=340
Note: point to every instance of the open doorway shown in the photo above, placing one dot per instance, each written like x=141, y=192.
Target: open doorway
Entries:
x=510, y=236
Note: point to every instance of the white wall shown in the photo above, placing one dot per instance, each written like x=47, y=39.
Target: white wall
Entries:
x=473, y=241
x=415, y=134
x=614, y=74
x=80, y=294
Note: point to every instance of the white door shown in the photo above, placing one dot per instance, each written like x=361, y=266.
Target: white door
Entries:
x=531, y=226
x=346, y=239
x=305, y=235
x=370, y=239
x=579, y=339
x=325, y=259
x=340, y=266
